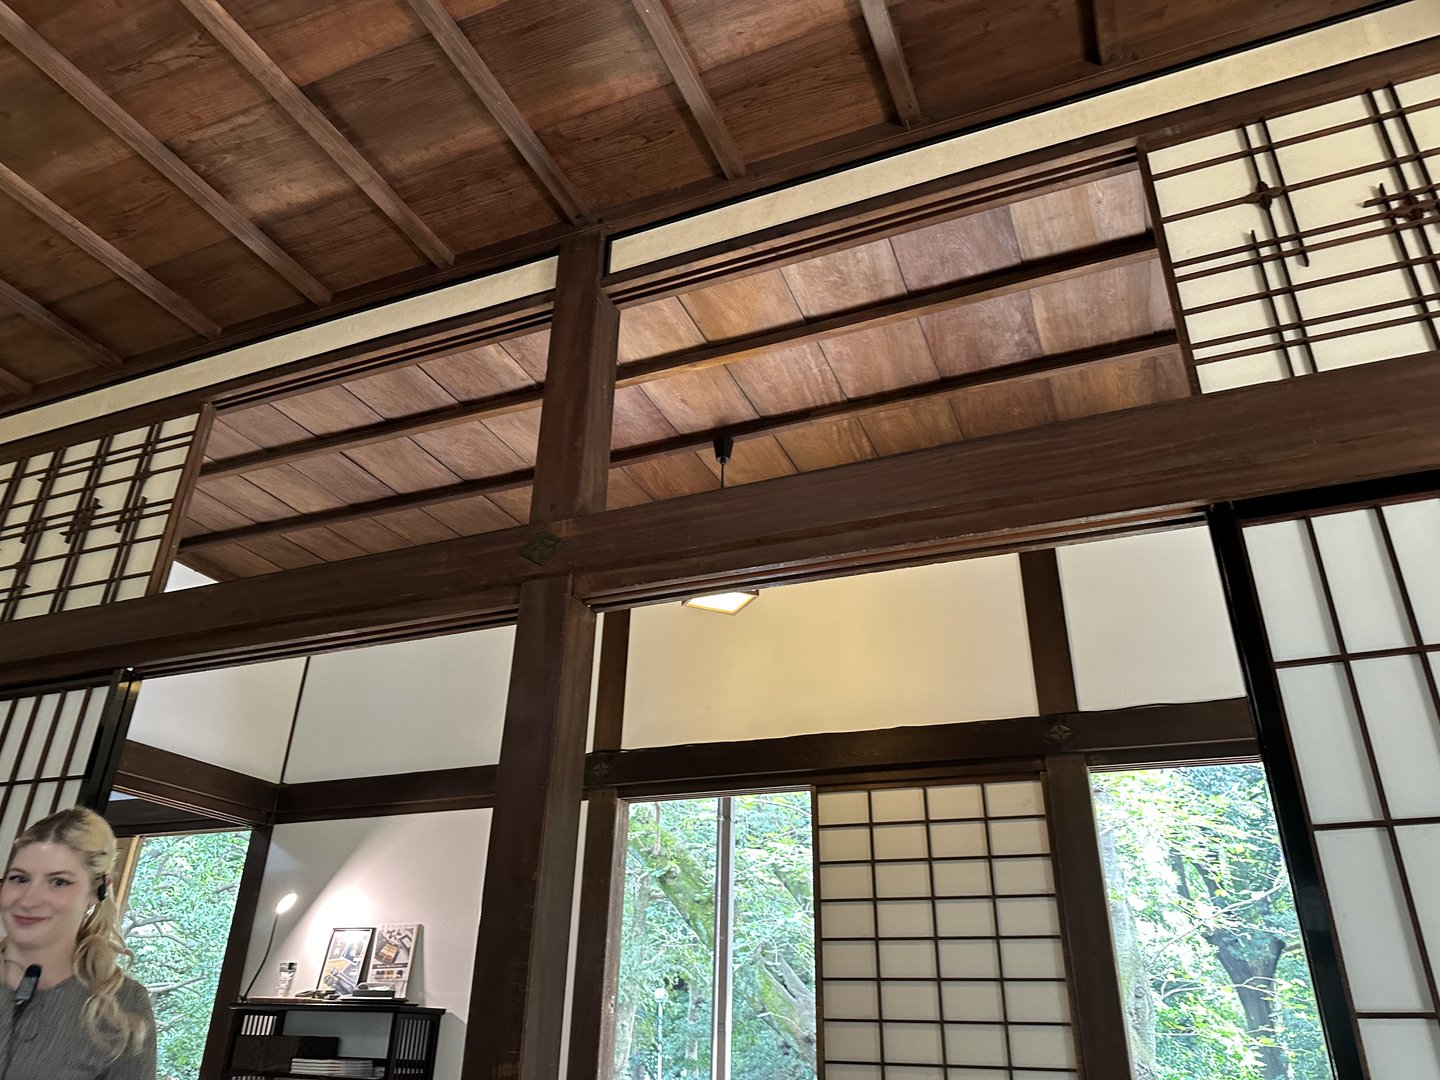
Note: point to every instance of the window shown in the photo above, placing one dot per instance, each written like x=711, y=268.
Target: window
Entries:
x=717, y=954
x=1214, y=977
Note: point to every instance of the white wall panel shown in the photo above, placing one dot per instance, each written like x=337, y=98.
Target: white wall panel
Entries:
x=1147, y=621
x=423, y=868
x=928, y=645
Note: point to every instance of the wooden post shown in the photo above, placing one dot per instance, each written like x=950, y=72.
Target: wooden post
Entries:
x=517, y=997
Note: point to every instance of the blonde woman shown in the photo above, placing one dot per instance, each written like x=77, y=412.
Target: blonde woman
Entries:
x=82, y=1019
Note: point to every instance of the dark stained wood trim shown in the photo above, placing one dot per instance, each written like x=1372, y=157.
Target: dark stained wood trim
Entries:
x=184, y=488
x=1155, y=757
x=78, y=85
x=675, y=53
x=593, y=998
x=141, y=817
x=268, y=74
x=466, y=788
x=487, y=88
x=1049, y=634
x=1097, y=1001
x=886, y=41
x=15, y=383
x=104, y=252
x=196, y=786
x=610, y=688
x=43, y=317
x=1138, y=466
x=689, y=442
x=237, y=950
x=1167, y=274
x=1104, y=24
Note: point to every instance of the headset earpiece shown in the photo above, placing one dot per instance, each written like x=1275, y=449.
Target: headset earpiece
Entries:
x=101, y=891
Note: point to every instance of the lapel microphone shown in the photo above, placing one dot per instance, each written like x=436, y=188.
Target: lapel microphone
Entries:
x=26, y=990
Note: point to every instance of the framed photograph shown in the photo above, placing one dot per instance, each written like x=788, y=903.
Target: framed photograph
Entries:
x=346, y=958
x=393, y=956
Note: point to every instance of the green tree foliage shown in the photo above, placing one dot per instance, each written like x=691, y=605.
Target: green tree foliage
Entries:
x=177, y=921
x=668, y=936
x=1215, y=981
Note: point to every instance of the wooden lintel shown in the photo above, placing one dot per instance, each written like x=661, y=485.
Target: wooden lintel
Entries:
x=1360, y=423
x=675, y=54
x=171, y=779
x=35, y=312
x=892, y=60
x=104, y=252
x=159, y=156
x=492, y=95
x=221, y=25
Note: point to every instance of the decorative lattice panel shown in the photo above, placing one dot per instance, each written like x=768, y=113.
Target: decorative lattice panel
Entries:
x=1307, y=241
x=1351, y=606
x=85, y=524
x=940, y=946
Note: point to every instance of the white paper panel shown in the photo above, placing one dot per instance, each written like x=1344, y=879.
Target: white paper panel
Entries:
x=953, y=839
x=962, y=801
x=1365, y=592
x=969, y=960
x=898, y=804
x=908, y=959
x=846, y=1041
x=846, y=882
x=1404, y=731
x=1042, y=1047
x=901, y=842
x=1420, y=852
x=961, y=878
x=976, y=1044
x=851, y=1000
x=902, y=879
x=1287, y=580
x=1032, y=959
x=848, y=959
x=1024, y=836
x=1028, y=916
x=1415, y=532
x=1023, y=876
x=905, y=918
x=917, y=1043
x=1328, y=744
x=912, y=1001
x=1018, y=798
x=840, y=845
x=1037, y=1002
x=840, y=919
x=965, y=918
x=842, y=808
x=1402, y=1049
x=1376, y=942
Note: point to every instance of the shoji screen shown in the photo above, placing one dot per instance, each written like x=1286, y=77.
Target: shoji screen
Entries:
x=1351, y=607
x=940, y=949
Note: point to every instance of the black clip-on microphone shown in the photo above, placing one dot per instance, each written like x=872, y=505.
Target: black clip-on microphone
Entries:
x=24, y=993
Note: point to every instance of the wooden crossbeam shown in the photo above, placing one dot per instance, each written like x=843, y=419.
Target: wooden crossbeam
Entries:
x=689, y=442
x=29, y=308
x=265, y=71
x=985, y=287
x=14, y=383
x=492, y=95
x=125, y=127
x=104, y=252
x=892, y=60
x=680, y=62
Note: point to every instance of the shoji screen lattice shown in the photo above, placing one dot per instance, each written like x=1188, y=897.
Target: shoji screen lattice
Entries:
x=940, y=947
x=1351, y=607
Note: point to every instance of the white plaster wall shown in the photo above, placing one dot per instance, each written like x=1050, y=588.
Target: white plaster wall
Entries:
x=1147, y=621
x=435, y=703
x=927, y=645
x=422, y=868
x=235, y=717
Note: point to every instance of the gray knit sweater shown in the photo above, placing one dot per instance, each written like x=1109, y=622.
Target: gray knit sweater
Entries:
x=52, y=1044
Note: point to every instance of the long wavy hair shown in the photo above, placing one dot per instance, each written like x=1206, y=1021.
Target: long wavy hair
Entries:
x=98, y=943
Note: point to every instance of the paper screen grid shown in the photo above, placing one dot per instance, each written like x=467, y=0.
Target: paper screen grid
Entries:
x=940, y=950
x=46, y=741
x=1351, y=604
x=83, y=525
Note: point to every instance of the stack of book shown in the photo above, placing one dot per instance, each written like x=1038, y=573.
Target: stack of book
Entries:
x=363, y=1068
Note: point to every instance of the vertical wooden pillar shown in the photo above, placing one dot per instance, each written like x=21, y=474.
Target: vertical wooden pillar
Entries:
x=237, y=948
x=518, y=994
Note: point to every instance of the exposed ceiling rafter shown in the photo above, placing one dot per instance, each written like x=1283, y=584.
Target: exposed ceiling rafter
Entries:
x=37, y=313
x=892, y=60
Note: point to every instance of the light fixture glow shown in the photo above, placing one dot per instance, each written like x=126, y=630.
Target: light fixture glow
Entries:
x=286, y=903
x=726, y=603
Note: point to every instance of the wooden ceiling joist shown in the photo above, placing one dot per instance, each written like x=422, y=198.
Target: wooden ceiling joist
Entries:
x=13, y=383
x=690, y=442
x=686, y=74
x=43, y=317
x=100, y=249
x=1104, y=31
x=985, y=287
x=892, y=60
x=125, y=127
x=265, y=71
x=492, y=95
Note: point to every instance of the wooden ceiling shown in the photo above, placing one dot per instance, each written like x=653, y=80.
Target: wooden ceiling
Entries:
x=180, y=174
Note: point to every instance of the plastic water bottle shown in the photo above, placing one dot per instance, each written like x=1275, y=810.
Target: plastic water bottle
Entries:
x=285, y=980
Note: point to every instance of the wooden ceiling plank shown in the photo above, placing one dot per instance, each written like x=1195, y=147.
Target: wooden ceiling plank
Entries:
x=691, y=442
x=682, y=67
x=892, y=60
x=124, y=126
x=41, y=316
x=492, y=95
x=986, y=287
x=100, y=249
x=257, y=63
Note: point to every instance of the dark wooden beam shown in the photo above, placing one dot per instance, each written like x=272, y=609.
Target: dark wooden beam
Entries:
x=679, y=61
x=37, y=313
x=1148, y=464
x=160, y=157
x=13, y=382
x=184, y=489
x=1049, y=634
x=195, y=786
x=101, y=250
x=1102, y=19
x=257, y=63
x=492, y=95
x=610, y=687
x=237, y=949
x=141, y=817
x=985, y=287
x=381, y=796
x=892, y=60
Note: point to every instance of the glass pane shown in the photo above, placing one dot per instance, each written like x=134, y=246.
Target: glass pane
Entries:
x=1214, y=975
x=772, y=1016
x=179, y=905
x=667, y=941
